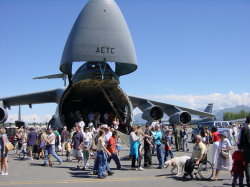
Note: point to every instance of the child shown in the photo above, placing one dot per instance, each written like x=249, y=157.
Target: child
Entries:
x=118, y=145
x=238, y=167
x=168, y=149
x=68, y=149
x=85, y=157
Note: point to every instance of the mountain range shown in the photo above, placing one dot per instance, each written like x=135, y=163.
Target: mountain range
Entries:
x=218, y=113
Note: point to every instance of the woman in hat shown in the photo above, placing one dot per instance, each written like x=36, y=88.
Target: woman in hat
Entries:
x=224, y=155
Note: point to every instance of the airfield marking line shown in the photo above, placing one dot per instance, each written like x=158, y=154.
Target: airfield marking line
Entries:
x=79, y=181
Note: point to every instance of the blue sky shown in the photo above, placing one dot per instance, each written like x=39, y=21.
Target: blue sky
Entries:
x=189, y=52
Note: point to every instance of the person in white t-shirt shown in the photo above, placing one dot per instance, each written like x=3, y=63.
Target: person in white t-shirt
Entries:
x=88, y=137
x=108, y=134
x=81, y=124
x=235, y=133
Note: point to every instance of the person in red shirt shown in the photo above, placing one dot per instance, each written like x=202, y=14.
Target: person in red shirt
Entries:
x=112, y=149
x=215, y=140
x=238, y=167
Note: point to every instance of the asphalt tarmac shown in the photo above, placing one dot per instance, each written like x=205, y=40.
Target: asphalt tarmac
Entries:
x=32, y=173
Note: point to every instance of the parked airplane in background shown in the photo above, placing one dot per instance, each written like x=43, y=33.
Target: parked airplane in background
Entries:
x=208, y=109
x=99, y=37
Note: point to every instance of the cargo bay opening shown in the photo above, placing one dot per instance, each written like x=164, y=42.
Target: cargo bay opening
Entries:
x=80, y=99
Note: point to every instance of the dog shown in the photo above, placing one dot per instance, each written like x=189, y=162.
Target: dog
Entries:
x=178, y=162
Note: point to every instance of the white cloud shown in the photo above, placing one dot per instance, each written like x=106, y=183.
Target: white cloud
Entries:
x=220, y=101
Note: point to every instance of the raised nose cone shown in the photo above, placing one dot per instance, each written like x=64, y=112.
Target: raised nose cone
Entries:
x=100, y=33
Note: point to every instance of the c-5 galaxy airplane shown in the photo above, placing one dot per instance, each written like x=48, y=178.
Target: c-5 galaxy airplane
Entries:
x=99, y=37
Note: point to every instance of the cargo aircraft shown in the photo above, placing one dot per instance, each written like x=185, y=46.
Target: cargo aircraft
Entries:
x=99, y=37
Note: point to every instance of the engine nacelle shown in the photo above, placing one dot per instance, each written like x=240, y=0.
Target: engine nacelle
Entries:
x=153, y=113
x=180, y=118
x=3, y=115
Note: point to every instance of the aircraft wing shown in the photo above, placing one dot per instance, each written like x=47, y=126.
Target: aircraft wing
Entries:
x=169, y=109
x=49, y=96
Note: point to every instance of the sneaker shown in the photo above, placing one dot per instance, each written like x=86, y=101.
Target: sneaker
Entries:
x=3, y=174
x=110, y=172
x=101, y=177
x=159, y=167
x=140, y=169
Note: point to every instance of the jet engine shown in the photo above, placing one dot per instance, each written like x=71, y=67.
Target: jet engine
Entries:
x=3, y=115
x=180, y=118
x=153, y=113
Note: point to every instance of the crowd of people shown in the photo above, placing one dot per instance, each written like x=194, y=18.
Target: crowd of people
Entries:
x=103, y=143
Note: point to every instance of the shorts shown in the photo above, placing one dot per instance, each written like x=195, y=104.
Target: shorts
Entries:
x=4, y=155
x=30, y=148
x=77, y=153
x=118, y=148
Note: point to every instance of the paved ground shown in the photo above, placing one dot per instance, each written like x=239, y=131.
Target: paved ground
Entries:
x=32, y=173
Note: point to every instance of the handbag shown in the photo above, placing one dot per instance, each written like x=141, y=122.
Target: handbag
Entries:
x=9, y=146
x=42, y=145
x=224, y=154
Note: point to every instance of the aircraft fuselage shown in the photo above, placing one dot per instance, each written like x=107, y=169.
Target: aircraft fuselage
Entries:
x=95, y=88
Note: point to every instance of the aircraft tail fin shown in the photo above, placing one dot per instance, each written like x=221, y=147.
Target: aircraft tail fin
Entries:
x=209, y=108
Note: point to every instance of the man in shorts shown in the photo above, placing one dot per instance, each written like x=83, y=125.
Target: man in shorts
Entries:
x=31, y=141
x=77, y=142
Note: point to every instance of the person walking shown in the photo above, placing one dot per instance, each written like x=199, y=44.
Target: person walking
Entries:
x=224, y=162
x=64, y=138
x=42, y=143
x=77, y=142
x=112, y=149
x=50, y=147
x=101, y=154
x=215, y=140
x=244, y=144
x=31, y=142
